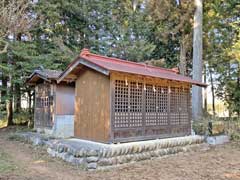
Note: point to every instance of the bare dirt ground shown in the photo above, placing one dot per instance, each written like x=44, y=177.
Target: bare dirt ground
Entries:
x=21, y=161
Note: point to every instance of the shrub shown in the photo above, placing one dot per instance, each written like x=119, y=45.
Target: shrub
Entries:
x=200, y=127
x=209, y=125
x=235, y=136
x=21, y=118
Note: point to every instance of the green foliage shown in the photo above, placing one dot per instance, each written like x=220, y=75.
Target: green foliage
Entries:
x=107, y=27
x=235, y=136
x=232, y=126
x=210, y=125
x=221, y=36
x=172, y=30
x=200, y=127
x=22, y=117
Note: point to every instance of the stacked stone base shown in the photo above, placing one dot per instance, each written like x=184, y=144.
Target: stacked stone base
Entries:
x=90, y=155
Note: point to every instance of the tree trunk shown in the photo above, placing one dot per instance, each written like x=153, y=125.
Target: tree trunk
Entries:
x=238, y=86
x=17, y=94
x=30, y=123
x=4, y=84
x=213, y=92
x=197, y=61
x=205, y=90
x=10, y=96
x=17, y=98
x=10, y=104
x=3, y=93
x=9, y=113
x=183, y=58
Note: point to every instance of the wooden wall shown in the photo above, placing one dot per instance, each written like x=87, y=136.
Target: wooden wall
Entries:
x=65, y=97
x=92, y=106
x=44, y=110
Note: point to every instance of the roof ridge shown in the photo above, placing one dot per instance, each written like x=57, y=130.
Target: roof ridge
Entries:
x=47, y=70
x=126, y=61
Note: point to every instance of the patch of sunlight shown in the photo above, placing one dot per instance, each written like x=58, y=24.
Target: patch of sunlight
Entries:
x=39, y=161
x=232, y=175
x=3, y=123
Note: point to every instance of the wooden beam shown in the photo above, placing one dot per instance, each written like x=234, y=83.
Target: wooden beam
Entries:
x=85, y=63
x=67, y=72
x=94, y=66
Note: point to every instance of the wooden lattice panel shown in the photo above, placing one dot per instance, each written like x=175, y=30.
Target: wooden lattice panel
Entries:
x=149, y=108
x=162, y=105
x=135, y=104
x=121, y=104
x=174, y=105
x=151, y=104
x=179, y=105
x=184, y=109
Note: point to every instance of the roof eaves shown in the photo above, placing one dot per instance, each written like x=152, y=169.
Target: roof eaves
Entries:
x=68, y=70
x=191, y=81
x=94, y=66
x=86, y=63
x=37, y=74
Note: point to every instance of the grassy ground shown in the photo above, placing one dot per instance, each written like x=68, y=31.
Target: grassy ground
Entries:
x=20, y=161
x=6, y=163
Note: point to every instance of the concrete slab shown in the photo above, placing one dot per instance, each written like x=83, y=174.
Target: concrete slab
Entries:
x=63, y=126
x=215, y=140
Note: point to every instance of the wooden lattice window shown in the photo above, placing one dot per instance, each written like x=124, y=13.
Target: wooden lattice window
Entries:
x=179, y=105
x=151, y=104
x=121, y=104
x=135, y=104
x=42, y=102
x=149, y=109
x=162, y=105
x=184, y=109
x=38, y=102
x=174, y=105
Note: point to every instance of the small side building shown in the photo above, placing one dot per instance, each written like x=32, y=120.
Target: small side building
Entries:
x=54, y=103
x=119, y=101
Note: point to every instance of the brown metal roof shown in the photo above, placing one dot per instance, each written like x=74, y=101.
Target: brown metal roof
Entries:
x=107, y=64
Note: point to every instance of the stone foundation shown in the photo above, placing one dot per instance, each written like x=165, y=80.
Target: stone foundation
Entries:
x=93, y=155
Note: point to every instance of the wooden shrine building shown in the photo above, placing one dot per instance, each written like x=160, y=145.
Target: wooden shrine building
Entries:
x=118, y=101
x=54, y=103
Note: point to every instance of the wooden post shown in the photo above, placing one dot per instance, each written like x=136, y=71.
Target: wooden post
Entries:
x=143, y=109
x=169, y=110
